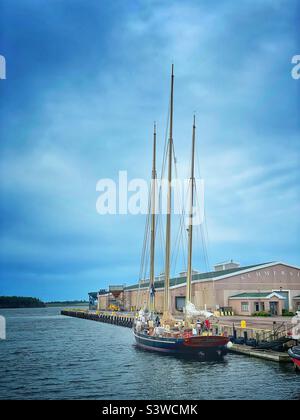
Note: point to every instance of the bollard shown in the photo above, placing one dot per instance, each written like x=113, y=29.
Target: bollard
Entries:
x=234, y=333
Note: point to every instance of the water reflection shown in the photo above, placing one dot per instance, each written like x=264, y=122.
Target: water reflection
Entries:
x=50, y=356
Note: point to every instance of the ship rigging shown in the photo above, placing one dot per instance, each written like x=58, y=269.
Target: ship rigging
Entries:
x=167, y=334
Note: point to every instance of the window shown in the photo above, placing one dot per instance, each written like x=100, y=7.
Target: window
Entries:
x=259, y=306
x=245, y=307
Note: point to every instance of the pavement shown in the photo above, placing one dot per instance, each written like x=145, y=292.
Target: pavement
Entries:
x=256, y=322
x=264, y=323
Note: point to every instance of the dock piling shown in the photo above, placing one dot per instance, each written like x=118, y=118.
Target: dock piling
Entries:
x=120, y=320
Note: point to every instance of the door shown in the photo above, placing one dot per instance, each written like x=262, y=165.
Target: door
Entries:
x=179, y=303
x=274, y=308
x=286, y=296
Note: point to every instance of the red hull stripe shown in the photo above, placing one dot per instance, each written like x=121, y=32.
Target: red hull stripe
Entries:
x=297, y=362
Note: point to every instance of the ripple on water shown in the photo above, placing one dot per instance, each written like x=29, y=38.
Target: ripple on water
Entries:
x=50, y=356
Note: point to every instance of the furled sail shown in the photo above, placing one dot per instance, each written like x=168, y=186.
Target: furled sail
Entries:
x=191, y=311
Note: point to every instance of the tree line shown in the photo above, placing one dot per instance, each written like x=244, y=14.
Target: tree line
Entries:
x=20, y=302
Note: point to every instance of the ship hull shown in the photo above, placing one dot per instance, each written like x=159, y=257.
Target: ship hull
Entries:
x=297, y=363
x=294, y=354
x=196, y=345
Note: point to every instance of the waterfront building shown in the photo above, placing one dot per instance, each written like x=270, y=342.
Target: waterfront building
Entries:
x=269, y=287
x=94, y=298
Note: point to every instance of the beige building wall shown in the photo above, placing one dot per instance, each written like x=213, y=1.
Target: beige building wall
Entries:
x=139, y=298
x=269, y=279
x=212, y=293
x=103, y=302
x=159, y=300
x=296, y=304
x=236, y=305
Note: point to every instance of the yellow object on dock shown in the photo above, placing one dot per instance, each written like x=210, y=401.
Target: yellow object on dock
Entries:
x=243, y=324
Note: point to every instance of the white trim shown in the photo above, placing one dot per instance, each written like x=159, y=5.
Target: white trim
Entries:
x=269, y=296
x=226, y=262
x=104, y=295
x=177, y=286
x=285, y=264
x=143, y=288
x=158, y=341
x=237, y=273
x=225, y=276
x=289, y=296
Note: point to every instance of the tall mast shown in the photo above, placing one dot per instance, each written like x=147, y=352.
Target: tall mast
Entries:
x=190, y=228
x=169, y=205
x=153, y=220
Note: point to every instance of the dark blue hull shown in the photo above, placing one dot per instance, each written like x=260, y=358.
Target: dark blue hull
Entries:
x=294, y=354
x=211, y=345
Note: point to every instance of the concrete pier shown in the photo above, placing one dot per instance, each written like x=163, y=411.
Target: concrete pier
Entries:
x=122, y=320
x=261, y=354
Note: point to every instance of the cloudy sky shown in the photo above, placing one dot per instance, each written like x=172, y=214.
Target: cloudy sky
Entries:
x=86, y=79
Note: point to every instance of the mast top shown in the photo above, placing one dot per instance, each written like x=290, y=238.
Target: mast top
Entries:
x=172, y=70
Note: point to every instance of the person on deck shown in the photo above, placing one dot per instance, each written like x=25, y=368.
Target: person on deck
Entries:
x=207, y=325
x=199, y=326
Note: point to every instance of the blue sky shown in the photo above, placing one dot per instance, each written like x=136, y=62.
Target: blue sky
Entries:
x=85, y=80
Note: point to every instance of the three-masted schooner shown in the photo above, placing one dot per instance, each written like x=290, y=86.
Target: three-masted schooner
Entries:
x=167, y=335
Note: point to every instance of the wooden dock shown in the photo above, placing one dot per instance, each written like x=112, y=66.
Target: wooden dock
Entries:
x=270, y=355
x=122, y=320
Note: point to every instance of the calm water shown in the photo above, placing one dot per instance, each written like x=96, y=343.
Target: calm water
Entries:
x=47, y=356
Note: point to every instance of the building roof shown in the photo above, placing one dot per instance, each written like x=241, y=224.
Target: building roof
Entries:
x=226, y=262
x=102, y=292
x=94, y=295
x=254, y=295
x=211, y=275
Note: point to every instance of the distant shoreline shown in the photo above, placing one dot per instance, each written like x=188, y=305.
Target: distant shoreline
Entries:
x=22, y=302
x=67, y=303
x=18, y=302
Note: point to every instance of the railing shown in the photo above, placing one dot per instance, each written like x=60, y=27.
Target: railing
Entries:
x=122, y=320
x=255, y=334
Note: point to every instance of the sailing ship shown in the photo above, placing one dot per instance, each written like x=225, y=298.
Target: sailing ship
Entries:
x=294, y=354
x=168, y=335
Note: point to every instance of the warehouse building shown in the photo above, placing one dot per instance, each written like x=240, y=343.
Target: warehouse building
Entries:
x=270, y=287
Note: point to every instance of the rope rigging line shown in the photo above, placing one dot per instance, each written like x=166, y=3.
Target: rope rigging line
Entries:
x=203, y=227
x=202, y=234
x=182, y=233
x=144, y=249
x=159, y=224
